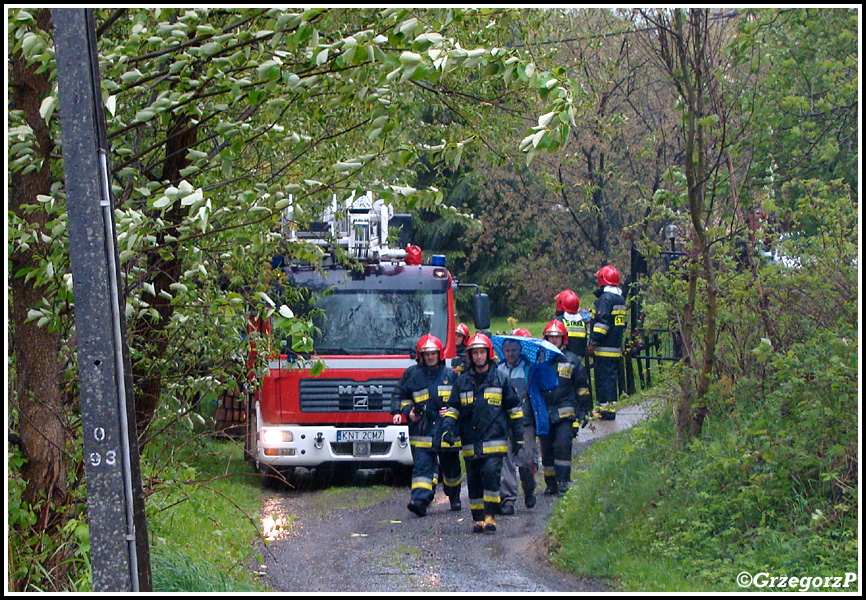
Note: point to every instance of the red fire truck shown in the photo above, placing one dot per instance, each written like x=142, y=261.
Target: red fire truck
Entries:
x=371, y=316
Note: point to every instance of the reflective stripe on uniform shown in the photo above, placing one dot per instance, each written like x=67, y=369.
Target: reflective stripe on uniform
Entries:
x=421, y=442
x=453, y=482
x=491, y=496
x=422, y=483
x=608, y=352
x=565, y=412
x=494, y=446
x=493, y=396
x=455, y=446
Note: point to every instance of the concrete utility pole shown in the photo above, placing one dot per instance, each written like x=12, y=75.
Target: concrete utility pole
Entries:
x=119, y=551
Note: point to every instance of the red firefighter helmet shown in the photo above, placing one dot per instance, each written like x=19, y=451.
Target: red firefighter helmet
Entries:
x=555, y=328
x=608, y=275
x=479, y=340
x=560, y=299
x=463, y=330
x=567, y=301
x=428, y=343
x=521, y=332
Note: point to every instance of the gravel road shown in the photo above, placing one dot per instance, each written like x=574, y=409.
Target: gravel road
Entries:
x=361, y=538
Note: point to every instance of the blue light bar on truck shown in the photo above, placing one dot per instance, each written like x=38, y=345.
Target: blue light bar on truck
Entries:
x=437, y=260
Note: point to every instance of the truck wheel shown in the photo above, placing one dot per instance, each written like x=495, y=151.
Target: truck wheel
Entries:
x=272, y=478
x=323, y=476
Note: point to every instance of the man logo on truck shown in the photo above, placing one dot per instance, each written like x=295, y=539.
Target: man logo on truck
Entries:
x=361, y=395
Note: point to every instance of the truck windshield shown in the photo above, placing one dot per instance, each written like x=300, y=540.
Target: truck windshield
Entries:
x=379, y=322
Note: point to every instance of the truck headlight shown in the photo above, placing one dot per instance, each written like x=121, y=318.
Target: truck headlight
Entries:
x=276, y=436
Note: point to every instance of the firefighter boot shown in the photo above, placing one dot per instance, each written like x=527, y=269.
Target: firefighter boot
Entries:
x=529, y=499
x=489, y=524
x=478, y=527
x=417, y=507
x=456, y=505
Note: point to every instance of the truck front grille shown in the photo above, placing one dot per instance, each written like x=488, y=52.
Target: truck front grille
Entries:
x=346, y=395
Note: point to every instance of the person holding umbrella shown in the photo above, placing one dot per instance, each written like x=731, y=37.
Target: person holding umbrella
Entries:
x=568, y=404
x=516, y=369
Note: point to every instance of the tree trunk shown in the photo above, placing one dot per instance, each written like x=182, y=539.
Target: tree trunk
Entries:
x=149, y=332
x=38, y=389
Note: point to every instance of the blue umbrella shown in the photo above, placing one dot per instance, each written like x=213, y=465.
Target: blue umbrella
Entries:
x=529, y=348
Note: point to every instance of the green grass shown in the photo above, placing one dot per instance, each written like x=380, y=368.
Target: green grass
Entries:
x=203, y=523
x=501, y=325
x=592, y=529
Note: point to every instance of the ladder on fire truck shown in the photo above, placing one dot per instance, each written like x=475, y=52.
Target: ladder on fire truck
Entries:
x=359, y=225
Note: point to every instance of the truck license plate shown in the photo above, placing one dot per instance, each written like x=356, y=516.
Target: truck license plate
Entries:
x=360, y=435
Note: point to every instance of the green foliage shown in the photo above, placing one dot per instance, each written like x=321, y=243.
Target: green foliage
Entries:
x=804, y=106
x=45, y=560
x=774, y=484
x=771, y=486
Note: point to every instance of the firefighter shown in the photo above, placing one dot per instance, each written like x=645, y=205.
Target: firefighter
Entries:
x=481, y=409
x=568, y=311
x=461, y=334
x=607, y=324
x=521, y=466
x=568, y=405
x=419, y=399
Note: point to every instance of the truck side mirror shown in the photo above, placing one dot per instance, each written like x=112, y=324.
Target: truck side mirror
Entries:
x=481, y=311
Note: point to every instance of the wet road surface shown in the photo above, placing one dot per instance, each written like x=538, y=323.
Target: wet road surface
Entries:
x=363, y=539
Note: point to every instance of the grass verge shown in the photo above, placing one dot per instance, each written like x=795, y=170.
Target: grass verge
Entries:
x=204, y=520
x=593, y=528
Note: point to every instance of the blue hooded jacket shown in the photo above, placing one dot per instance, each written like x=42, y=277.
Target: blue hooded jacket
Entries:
x=542, y=378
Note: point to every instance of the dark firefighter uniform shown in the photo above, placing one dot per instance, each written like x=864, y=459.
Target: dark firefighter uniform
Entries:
x=568, y=404
x=427, y=390
x=605, y=336
x=481, y=408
